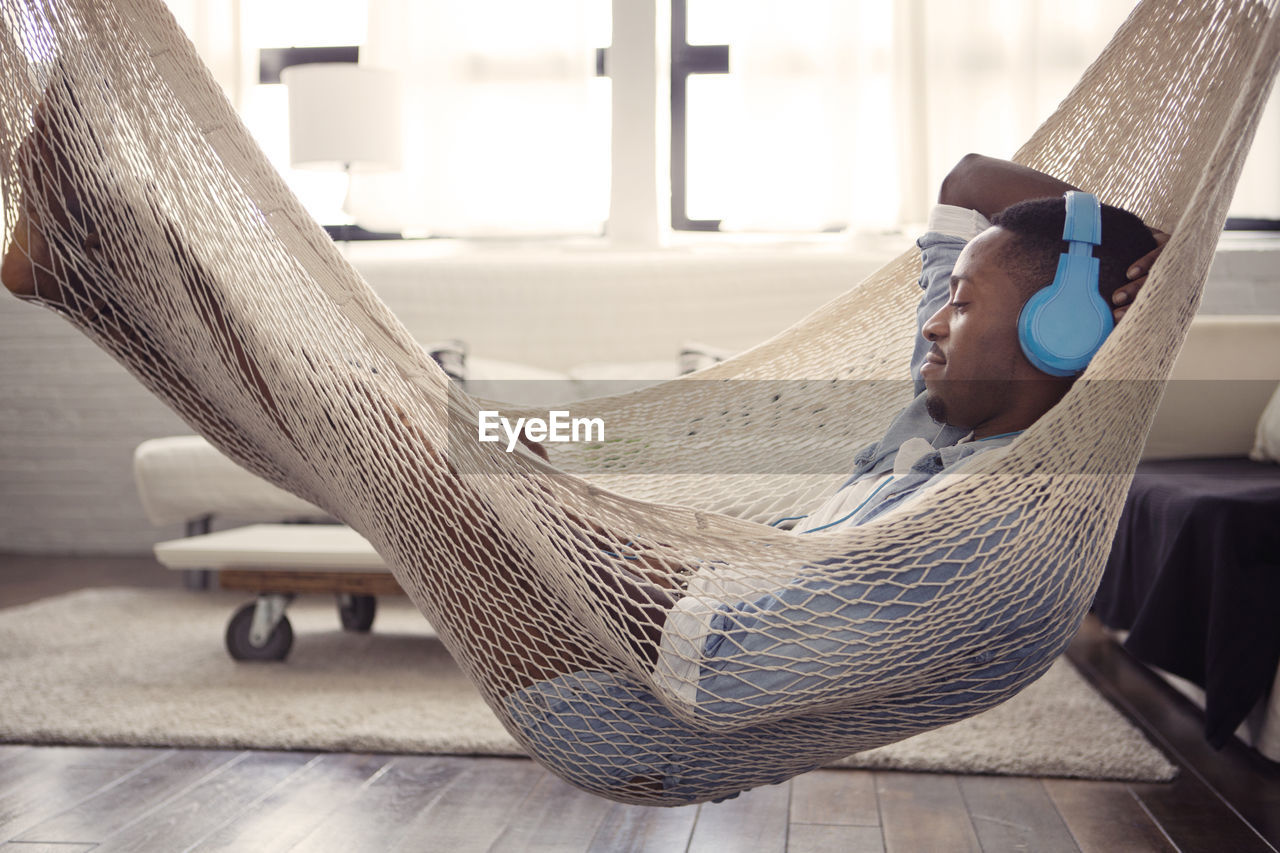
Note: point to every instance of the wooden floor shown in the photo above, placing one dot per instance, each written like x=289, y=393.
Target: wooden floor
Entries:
x=71, y=799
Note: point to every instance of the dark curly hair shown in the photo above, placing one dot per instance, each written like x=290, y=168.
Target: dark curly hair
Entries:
x=1032, y=257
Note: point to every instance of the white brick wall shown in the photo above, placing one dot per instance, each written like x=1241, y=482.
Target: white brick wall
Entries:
x=1245, y=277
x=69, y=421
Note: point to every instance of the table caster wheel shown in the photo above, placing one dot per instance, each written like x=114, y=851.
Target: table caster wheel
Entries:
x=357, y=612
x=240, y=643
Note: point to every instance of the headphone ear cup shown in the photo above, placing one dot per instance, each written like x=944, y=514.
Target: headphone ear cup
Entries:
x=1064, y=324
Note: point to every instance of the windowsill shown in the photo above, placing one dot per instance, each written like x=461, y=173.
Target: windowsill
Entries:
x=885, y=245
x=1241, y=279
x=1249, y=241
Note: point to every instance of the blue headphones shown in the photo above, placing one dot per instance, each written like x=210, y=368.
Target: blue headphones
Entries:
x=1064, y=324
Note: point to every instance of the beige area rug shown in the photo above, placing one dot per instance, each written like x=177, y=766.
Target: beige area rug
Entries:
x=146, y=667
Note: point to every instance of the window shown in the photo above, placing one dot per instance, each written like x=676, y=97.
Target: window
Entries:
x=506, y=122
x=792, y=137
x=746, y=116
x=688, y=60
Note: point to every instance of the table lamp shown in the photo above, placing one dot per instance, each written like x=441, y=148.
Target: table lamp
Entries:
x=343, y=117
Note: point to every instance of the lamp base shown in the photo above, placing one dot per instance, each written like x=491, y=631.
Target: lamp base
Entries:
x=347, y=233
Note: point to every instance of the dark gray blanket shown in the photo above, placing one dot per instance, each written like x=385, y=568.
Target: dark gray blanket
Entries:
x=1194, y=575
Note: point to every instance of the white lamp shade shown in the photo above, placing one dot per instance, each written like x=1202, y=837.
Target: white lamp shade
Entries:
x=343, y=116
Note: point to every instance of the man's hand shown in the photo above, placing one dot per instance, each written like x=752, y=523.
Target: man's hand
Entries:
x=534, y=447
x=1123, y=297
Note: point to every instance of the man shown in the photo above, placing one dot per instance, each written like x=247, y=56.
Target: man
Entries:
x=993, y=240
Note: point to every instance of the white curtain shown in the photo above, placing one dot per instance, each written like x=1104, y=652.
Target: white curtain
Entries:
x=834, y=110
x=791, y=139
x=996, y=68
x=506, y=127
x=1258, y=193
x=214, y=27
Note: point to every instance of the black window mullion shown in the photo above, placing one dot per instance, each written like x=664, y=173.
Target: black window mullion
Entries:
x=687, y=59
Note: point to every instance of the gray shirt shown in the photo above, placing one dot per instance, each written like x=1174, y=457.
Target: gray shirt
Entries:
x=951, y=228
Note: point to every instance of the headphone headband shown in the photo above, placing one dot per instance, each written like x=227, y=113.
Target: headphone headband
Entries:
x=1084, y=219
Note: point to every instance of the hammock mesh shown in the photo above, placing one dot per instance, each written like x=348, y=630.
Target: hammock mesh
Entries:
x=146, y=215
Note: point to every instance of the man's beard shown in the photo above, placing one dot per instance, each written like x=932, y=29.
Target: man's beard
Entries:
x=935, y=407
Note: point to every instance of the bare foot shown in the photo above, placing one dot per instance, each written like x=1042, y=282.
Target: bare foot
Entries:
x=27, y=270
x=50, y=210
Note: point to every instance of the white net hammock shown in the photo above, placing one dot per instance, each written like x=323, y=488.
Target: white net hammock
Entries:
x=138, y=205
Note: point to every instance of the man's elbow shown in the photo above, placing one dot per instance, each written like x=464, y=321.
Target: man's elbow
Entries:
x=958, y=186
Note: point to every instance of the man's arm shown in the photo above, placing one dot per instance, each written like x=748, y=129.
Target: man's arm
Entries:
x=988, y=185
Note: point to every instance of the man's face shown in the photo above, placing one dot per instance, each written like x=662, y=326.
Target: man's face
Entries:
x=976, y=375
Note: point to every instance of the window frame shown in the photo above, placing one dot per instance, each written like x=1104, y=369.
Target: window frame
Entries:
x=659, y=59
x=687, y=60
